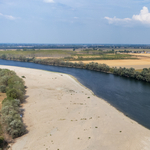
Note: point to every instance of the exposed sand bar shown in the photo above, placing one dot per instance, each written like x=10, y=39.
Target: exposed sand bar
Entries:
x=59, y=115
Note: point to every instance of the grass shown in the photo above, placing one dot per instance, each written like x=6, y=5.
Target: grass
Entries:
x=38, y=53
x=67, y=55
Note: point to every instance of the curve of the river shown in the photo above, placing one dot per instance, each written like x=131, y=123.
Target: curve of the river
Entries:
x=130, y=96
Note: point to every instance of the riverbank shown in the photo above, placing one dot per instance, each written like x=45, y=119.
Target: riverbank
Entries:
x=62, y=114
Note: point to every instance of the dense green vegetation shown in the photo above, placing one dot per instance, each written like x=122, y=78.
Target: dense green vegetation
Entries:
x=37, y=53
x=10, y=120
x=65, y=55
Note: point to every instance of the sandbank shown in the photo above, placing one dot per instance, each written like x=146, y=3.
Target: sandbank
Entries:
x=61, y=114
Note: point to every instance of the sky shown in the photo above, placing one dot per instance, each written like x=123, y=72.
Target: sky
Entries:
x=75, y=21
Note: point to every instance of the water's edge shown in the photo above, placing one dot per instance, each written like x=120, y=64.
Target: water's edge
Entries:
x=127, y=95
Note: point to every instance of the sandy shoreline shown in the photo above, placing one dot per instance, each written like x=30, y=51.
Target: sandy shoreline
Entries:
x=61, y=114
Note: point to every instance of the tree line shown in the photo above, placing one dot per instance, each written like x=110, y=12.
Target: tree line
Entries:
x=144, y=75
x=11, y=120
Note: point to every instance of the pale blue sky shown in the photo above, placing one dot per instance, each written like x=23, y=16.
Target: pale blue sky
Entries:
x=75, y=21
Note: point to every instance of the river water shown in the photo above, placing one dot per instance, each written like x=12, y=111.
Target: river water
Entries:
x=129, y=96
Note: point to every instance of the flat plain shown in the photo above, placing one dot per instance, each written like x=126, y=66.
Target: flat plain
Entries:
x=142, y=61
x=112, y=59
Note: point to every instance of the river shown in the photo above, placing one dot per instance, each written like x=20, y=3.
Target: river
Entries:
x=129, y=96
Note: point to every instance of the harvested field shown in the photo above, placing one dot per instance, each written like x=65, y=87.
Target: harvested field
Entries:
x=142, y=55
x=142, y=61
x=48, y=57
x=134, y=63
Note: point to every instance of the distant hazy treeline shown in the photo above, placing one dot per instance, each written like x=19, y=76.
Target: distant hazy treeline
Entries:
x=68, y=46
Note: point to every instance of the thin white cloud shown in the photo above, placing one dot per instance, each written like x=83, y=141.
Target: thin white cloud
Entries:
x=49, y=1
x=117, y=20
x=7, y=16
x=143, y=17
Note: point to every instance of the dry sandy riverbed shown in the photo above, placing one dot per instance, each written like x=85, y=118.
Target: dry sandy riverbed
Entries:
x=61, y=114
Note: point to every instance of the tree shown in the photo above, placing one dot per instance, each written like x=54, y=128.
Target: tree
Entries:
x=3, y=56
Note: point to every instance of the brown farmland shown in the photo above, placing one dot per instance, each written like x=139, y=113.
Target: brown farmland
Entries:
x=143, y=61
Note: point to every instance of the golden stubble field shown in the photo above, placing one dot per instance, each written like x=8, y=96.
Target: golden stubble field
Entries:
x=143, y=61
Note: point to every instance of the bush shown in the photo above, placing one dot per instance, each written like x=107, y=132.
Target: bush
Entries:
x=4, y=80
x=15, y=79
x=10, y=112
x=4, y=72
x=16, y=128
x=11, y=117
x=15, y=94
x=11, y=102
x=3, y=88
x=12, y=93
x=1, y=141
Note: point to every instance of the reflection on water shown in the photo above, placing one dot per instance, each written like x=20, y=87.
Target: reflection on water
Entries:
x=130, y=96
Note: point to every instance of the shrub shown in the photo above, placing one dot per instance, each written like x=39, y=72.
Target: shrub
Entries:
x=12, y=93
x=10, y=112
x=15, y=103
x=15, y=94
x=11, y=118
x=1, y=141
x=4, y=80
x=16, y=128
x=15, y=79
x=3, y=88
x=4, y=72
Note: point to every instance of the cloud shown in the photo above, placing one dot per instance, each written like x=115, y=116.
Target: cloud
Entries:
x=143, y=17
x=7, y=16
x=117, y=20
x=49, y=1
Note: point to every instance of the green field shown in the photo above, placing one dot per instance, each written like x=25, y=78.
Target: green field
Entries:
x=67, y=55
